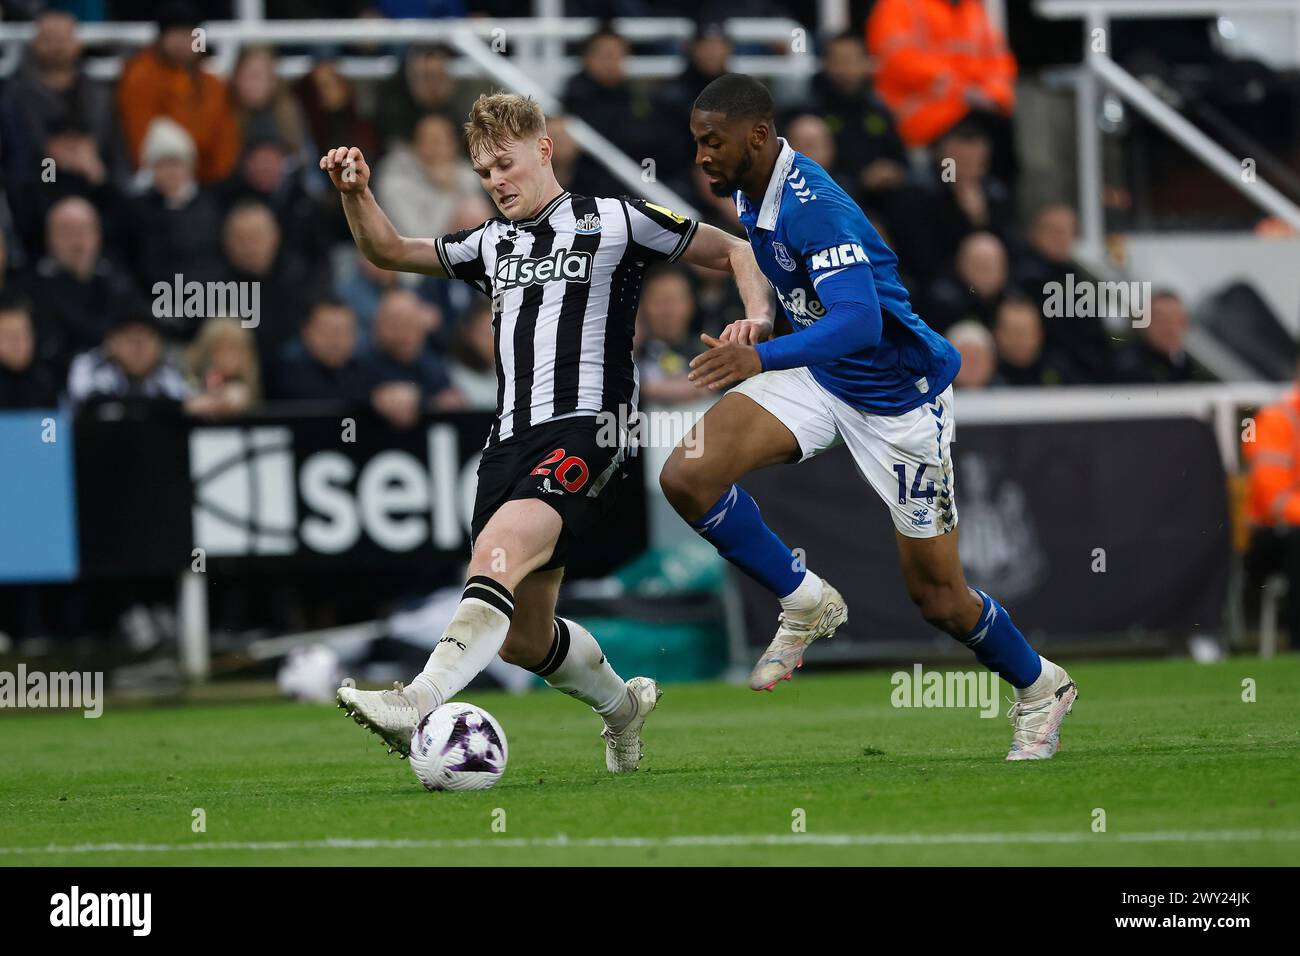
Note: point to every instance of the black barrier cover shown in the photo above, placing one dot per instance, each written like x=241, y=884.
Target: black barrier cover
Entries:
x=298, y=494
x=132, y=490
x=1039, y=506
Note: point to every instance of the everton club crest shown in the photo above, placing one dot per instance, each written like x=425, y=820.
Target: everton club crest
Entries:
x=783, y=257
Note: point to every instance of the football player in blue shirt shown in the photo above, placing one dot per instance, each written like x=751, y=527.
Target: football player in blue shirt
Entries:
x=860, y=368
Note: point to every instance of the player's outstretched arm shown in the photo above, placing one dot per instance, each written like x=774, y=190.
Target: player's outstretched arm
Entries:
x=374, y=233
x=714, y=249
x=852, y=323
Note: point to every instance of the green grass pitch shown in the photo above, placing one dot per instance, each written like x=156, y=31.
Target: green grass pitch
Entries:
x=1185, y=771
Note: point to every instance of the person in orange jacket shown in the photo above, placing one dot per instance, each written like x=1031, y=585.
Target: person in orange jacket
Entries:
x=167, y=79
x=939, y=60
x=1272, y=456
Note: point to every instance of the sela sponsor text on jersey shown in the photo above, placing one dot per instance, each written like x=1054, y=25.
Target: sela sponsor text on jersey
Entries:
x=565, y=285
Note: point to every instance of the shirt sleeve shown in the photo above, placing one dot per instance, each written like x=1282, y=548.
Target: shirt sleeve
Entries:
x=461, y=255
x=852, y=324
x=834, y=254
x=828, y=240
x=662, y=232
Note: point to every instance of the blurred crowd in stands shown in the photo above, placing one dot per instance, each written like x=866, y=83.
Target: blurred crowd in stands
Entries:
x=118, y=196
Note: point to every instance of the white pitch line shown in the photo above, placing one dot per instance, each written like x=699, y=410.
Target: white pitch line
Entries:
x=701, y=840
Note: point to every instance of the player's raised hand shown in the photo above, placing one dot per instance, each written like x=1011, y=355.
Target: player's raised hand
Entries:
x=347, y=168
x=747, y=331
x=724, y=364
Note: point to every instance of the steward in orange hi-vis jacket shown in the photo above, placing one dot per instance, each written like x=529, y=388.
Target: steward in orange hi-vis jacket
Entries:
x=938, y=60
x=1273, y=492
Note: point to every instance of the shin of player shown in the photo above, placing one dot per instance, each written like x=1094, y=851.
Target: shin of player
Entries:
x=490, y=621
x=1044, y=692
x=703, y=489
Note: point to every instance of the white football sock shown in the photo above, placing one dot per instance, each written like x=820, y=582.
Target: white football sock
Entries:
x=805, y=597
x=473, y=637
x=1043, y=686
x=576, y=666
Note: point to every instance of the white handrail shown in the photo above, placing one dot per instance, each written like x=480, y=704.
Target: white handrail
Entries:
x=1215, y=403
x=1220, y=161
x=1100, y=68
x=650, y=66
x=370, y=30
x=520, y=34
x=468, y=37
x=1163, y=9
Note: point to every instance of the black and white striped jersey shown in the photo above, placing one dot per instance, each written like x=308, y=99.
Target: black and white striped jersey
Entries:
x=564, y=287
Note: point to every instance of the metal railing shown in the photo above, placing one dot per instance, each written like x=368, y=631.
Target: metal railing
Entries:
x=531, y=40
x=537, y=67
x=1159, y=9
x=1215, y=403
x=1101, y=70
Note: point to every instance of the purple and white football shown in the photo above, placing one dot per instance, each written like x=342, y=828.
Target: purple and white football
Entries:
x=458, y=747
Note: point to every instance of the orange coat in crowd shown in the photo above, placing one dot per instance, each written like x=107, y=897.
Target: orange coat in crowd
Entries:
x=1273, y=489
x=196, y=99
x=931, y=54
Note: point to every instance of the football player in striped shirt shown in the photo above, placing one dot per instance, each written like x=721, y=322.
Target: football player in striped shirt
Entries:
x=564, y=275
x=859, y=368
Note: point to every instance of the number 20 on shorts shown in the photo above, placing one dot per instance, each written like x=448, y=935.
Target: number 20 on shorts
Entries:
x=565, y=470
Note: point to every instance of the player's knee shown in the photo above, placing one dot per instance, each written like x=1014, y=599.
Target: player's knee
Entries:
x=502, y=561
x=491, y=556
x=507, y=556
x=680, y=482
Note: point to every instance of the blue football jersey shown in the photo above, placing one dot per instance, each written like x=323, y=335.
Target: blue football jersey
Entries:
x=807, y=229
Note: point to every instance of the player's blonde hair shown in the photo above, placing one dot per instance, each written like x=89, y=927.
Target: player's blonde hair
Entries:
x=497, y=119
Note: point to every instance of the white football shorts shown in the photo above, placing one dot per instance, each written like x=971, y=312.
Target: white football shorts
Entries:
x=906, y=458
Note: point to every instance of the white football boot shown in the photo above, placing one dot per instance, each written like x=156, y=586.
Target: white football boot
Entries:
x=1037, y=720
x=623, y=747
x=389, y=714
x=793, y=635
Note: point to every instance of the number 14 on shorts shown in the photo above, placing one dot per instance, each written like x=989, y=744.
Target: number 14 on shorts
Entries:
x=928, y=493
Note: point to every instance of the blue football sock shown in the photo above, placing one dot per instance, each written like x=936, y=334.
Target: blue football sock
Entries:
x=734, y=526
x=999, y=645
